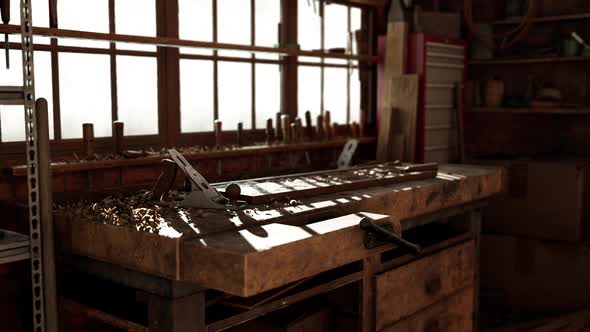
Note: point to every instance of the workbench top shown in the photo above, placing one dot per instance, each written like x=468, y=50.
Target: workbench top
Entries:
x=250, y=252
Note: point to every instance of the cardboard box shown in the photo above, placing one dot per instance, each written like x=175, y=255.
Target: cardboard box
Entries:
x=544, y=199
x=535, y=276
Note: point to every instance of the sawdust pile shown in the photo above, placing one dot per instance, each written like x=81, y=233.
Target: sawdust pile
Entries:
x=137, y=211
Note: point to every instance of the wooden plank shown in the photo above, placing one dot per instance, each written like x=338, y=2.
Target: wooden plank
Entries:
x=415, y=286
x=453, y=314
x=404, y=97
x=293, y=187
x=386, y=135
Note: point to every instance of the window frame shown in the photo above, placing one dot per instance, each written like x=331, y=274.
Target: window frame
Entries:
x=169, y=131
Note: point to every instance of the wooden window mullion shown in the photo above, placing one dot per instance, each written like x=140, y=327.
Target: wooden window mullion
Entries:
x=323, y=61
x=113, y=59
x=253, y=56
x=215, y=67
x=53, y=23
x=349, y=67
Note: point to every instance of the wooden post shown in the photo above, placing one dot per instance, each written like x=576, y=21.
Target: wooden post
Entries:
x=286, y=126
x=279, y=132
x=270, y=134
x=88, y=138
x=240, y=134
x=184, y=314
x=308, y=126
x=119, y=133
x=46, y=217
x=218, y=131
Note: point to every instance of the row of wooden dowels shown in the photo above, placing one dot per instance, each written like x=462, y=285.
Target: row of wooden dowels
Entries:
x=287, y=131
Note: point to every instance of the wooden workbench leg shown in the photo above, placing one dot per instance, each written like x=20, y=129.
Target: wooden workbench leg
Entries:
x=184, y=314
x=475, y=222
x=368, y=294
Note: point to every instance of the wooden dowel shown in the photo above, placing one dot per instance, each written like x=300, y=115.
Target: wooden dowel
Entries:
x=308, y=125
x=328, y=125
x=279, y=132
x=270, y=133
x=240, y=134
x=356, y=130
x=334, y=129
x=320, y=128
x=299, y=129
x=286, y=126
x=119, y=133
x=46, y=216
x=218, y=132
x=294, y=132
x=88, y=138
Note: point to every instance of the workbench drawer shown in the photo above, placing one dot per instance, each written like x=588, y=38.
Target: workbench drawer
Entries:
x=452, y=314
x=403, y=291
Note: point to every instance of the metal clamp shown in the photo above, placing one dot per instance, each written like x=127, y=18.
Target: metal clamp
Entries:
x=377, y=235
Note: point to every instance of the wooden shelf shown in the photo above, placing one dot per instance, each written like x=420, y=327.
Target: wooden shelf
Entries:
x=548, y=110
x=557, y=18
x=14, y=247
x=258, y=150
x=516, y=61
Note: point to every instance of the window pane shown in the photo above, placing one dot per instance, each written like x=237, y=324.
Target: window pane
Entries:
x=309, y=27
x=309, y=91
x=87, y=15
x=12, y=120
x=268, y=93
x=355, y=25
x=12, y=117
x=85, y=93
x=235, y=94
x=268, y=17
x=130, y=21
x=335, y=95
x=355, y=97
x=196, y=95
x=336, y=26
x=44, y=83
x=137, y=94
x=336, y=29
x=40, y=19
x=233, y=25
x=195, y=22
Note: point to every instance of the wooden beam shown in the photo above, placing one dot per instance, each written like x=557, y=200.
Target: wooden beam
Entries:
x=171, y=42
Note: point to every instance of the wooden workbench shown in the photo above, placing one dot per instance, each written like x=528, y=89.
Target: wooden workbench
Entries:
x=237, y=257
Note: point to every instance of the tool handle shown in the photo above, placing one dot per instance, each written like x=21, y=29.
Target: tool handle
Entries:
x=5, y=10
x=368, y=225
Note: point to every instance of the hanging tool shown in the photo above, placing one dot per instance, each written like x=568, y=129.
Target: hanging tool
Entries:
x=5, y=12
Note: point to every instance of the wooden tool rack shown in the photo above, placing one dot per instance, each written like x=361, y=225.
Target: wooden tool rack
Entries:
x=183, y=281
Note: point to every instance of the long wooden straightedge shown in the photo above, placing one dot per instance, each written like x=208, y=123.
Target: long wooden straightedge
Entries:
x=267, y=190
